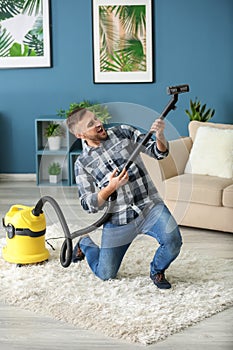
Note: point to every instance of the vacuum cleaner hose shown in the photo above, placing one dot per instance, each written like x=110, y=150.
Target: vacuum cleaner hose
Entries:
x=67, y=246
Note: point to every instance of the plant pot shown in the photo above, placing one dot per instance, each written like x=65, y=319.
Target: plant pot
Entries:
x=54, y=179
x=54, y=143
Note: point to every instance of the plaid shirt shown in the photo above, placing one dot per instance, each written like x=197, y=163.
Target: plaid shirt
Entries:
x=94, y=165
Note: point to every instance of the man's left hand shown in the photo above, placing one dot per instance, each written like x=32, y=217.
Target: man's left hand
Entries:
x=158, y=128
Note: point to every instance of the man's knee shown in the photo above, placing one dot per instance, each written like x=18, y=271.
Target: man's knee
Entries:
x=106, y=275
x=173, y=241
x=176, y=242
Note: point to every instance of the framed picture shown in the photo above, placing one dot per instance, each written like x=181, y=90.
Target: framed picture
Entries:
x=122, y=41
x=25, y=34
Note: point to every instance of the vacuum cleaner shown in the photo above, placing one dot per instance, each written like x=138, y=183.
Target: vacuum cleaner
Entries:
x=26, y=226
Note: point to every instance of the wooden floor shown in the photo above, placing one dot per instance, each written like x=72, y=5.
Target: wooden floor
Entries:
x=22, y=330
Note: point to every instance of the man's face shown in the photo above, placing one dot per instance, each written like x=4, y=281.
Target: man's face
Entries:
x=91, y=129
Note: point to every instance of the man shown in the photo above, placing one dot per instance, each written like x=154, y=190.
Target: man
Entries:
x=137, y=208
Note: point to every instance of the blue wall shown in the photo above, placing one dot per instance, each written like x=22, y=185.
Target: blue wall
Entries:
x=193, y=45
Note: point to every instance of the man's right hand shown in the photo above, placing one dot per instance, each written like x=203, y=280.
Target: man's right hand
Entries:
x=114, y=183
x=117, y=181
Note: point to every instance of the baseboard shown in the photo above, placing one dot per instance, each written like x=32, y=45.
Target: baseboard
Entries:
x=17, y=177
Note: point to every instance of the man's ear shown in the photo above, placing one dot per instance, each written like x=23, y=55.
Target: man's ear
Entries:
x=79, y=136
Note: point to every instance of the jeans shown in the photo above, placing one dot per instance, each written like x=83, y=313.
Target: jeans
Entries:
x=105, y=261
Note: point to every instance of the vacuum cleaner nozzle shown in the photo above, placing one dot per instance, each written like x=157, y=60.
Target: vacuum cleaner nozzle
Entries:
x=172, y=90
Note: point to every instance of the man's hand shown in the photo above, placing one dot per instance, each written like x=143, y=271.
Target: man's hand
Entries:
x=158, y=128
x=114, y=183
x=117, y=181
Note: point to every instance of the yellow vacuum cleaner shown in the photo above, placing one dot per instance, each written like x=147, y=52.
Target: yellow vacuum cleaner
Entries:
x=25, y=236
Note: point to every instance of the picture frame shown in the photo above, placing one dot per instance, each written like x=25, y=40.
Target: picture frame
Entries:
x=25, y=34
x=122, y=40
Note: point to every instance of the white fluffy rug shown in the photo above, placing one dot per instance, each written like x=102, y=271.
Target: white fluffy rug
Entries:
x=130, y=307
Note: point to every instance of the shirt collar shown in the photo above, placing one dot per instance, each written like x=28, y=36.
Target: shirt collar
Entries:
x=87, y=148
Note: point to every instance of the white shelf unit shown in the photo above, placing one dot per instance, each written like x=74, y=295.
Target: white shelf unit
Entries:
x=70, y=148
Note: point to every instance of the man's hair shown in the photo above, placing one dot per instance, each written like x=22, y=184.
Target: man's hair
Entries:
x=74, y=118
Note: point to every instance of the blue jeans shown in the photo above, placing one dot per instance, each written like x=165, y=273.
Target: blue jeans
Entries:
x=105, y=261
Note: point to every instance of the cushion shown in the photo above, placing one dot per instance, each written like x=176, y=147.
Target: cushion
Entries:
x=194, y=125
x=212, y=153
x=196, y=189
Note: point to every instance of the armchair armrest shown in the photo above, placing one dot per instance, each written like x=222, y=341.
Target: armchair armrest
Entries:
x=178, y=156
x=173, y=165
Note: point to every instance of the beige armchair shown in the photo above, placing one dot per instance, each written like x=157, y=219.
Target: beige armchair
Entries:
x=196, y=200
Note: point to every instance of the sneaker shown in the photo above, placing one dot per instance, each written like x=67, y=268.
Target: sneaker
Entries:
x=160, y=280
x=77, y=254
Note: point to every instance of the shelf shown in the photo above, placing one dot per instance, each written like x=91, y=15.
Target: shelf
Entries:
x=48, y=152
x=45, y=156
x=47, y=183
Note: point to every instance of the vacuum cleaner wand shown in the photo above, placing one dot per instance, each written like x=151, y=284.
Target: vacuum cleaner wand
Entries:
x=172, y=90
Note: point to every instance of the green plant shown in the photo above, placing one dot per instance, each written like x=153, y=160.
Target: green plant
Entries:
x=99, y=110
x=54, y=168
x=6, y=42
x=199, y=112
x=123, y=50
x=33, y=44
x=54, y=129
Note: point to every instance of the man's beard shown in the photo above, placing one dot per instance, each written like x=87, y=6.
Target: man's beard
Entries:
x=100, y=135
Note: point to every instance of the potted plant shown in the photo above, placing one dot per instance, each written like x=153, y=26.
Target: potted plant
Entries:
x=54, y=133
x=199, y=112
x=99, y=110
x=54, y=171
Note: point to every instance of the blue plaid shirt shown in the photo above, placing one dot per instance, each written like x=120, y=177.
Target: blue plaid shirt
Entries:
x=95, y=164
